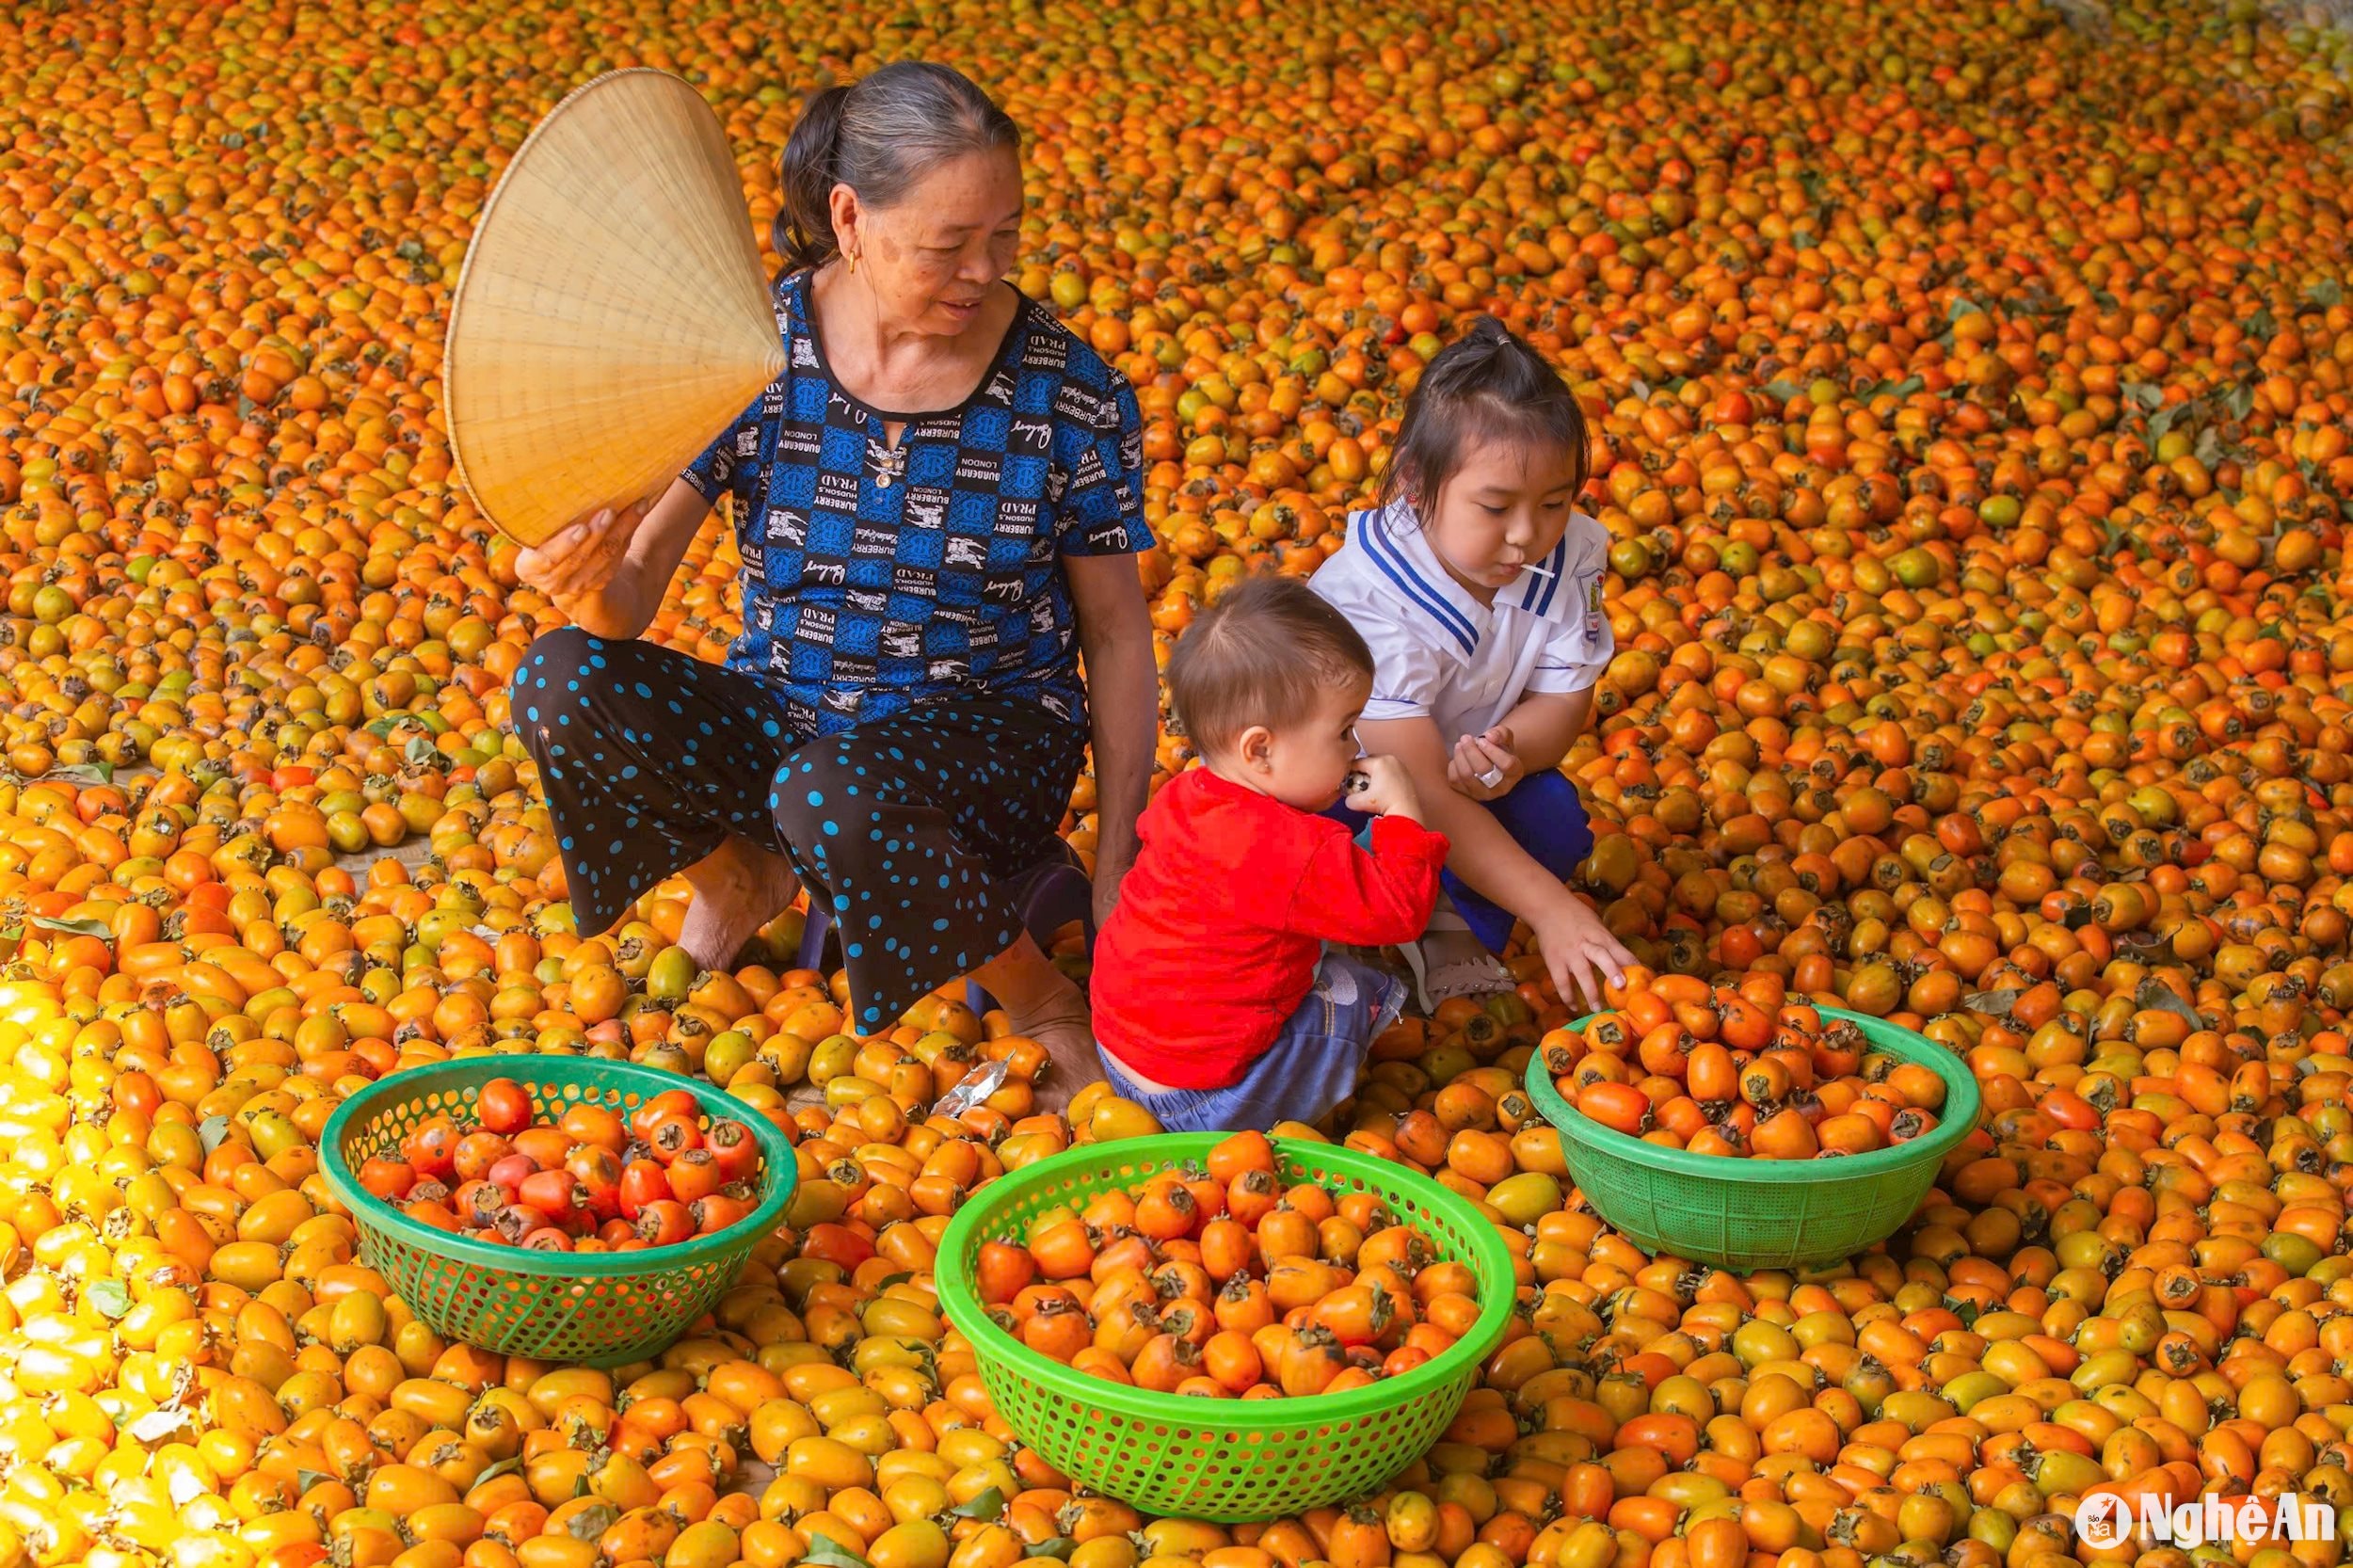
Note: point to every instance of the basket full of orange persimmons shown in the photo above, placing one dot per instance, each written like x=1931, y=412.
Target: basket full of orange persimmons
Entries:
x=561, y=1208
x=1225, y=1328
x=1735, y=1124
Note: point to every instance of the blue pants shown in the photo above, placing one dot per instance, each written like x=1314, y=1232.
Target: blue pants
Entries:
x=1544, y=816
x=1312, y=1066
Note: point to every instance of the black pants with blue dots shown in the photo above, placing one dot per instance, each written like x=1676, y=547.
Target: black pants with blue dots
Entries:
x=909, y=827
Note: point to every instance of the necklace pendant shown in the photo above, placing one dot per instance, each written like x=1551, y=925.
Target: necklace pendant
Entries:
x=882, y=481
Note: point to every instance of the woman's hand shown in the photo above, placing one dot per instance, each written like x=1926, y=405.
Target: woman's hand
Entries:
x=607, y=572
x=582, y=558
x=1579, y=951
x=1485, y=767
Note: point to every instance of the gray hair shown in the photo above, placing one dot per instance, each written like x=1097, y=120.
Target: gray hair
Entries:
x=878, y=135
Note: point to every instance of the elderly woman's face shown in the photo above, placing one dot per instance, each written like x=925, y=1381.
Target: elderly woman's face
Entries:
x=931, y=258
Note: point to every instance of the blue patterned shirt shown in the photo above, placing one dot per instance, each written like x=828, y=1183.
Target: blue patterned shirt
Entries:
x=876, y=580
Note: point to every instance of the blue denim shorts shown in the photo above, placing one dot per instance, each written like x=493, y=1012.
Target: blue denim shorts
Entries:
x=1312, y=1066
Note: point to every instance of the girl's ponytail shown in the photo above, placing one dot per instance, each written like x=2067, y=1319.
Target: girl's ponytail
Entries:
x=1488, y=384
x=806, y=173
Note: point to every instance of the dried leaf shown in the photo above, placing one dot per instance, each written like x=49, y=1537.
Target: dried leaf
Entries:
x=2156, y=994
x=156, y=1425
x=593, y=1520
x=1994, y=1002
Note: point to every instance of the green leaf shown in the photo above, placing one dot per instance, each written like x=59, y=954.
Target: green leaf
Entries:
x=1056, y=1547
x=1961, y=306
x=2261, y=324
x=2239, y=401
x=2144, y=395
x=503, y=1467
x=987, y=1505
x=213, y=1132
x=825, y=1552
x=2209, y=448
x=11, y=937
x=83, y=772
x=111, y=1297
x=73, y=928
x=1782, y=391
x=2325, y=293
x=419, y=751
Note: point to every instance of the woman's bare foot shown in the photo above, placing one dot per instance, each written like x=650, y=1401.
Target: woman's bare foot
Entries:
x=1066, y=1030
x=1042, y=1003
x=738, y=888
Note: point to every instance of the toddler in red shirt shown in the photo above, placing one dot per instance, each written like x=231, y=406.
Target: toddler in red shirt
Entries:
x=1216, y=1004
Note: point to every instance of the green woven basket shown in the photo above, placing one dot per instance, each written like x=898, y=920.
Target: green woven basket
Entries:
x=1762, y=1213
x=598, y=1310
x=1221, y=1460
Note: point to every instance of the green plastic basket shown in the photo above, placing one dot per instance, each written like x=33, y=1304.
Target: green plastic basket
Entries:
x=1228, y=1460
x=1762, y=1213
x=598, y=1310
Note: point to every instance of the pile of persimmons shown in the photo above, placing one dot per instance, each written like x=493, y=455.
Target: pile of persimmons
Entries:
x=1970, y=391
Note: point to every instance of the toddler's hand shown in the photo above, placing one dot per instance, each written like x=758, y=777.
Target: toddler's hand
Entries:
x=1387, y=788
x=1484, y=767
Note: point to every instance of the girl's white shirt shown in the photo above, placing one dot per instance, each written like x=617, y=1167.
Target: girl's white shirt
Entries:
x=1440, y=653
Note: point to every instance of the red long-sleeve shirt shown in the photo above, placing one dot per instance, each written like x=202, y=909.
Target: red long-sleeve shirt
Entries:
x=1214, y=940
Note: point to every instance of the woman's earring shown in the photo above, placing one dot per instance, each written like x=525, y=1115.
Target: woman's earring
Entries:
x=852, y=259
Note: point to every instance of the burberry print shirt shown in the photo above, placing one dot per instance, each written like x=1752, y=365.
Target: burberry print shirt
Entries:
x=876, y=579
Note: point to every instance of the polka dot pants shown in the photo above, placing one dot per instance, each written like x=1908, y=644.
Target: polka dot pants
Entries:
x=910, y=826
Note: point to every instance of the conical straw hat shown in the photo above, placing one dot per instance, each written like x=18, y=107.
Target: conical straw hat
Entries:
x=611, y=315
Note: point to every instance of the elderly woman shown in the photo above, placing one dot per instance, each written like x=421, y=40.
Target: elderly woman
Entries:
x=939, y=505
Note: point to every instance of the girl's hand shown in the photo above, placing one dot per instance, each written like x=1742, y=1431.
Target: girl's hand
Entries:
x=1579, y=951
x=581, y=559
x=1484, y=767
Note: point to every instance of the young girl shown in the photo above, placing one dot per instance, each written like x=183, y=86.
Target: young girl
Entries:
x=1478, y=587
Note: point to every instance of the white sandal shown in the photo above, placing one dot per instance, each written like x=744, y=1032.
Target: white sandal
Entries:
x=1483, y=976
